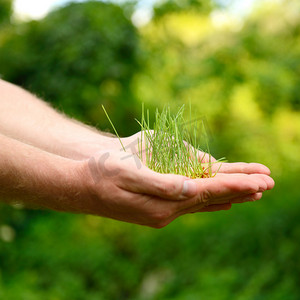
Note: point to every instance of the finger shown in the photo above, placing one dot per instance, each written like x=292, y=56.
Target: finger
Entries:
x=224, y=188
x=246, y=168
x=230, y=186
x=250, y=198
x=225, y=206
x=239, y=199
x=216, y=207
x=261, y=177
x=268, y=180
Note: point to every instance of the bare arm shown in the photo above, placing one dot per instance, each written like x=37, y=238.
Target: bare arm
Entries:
x=26, y=118
x=36, y=178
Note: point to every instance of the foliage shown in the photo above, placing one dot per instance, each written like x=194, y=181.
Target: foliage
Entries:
x=5, y=11
x=77, y=52
x=244, y=78
x=166, y=7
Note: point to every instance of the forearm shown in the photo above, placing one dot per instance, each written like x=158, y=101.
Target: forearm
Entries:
x=26, y=118
x=37, y=178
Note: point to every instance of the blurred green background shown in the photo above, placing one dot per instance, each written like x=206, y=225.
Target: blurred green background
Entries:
x=240, y=72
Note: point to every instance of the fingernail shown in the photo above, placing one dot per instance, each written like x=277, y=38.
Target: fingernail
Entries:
x=189, y=188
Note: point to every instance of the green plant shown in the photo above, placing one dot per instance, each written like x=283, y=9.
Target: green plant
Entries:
x=173, y=145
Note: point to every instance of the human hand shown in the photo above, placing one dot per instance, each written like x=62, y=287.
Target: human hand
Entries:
x=240, y=173
x=117, y=185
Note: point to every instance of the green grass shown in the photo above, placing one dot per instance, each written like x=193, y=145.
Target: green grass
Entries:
x=173, y=145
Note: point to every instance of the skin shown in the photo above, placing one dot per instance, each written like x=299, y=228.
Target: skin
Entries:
x=48, y=160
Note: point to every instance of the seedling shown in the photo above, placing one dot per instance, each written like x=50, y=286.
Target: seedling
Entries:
x=173, y=145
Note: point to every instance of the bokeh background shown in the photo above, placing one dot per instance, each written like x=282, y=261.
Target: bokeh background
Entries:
x=240, y=70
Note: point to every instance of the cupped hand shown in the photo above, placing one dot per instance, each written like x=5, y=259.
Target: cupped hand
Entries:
x=119, y=186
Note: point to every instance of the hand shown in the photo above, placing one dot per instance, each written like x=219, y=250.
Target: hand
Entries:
x=131, y=145
x=119, y=186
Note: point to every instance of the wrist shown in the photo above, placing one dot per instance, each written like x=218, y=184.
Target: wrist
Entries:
x=56, y=184
x=64, y=186
x=88, y=182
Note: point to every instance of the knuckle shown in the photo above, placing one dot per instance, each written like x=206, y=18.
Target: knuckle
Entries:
x=204, y=197
x=167, y=189
x=251, y=189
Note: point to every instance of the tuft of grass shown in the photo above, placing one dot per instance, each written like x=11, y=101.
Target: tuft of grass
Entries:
x=173, y=145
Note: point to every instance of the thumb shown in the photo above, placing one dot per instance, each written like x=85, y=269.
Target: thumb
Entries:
x=166, y=186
